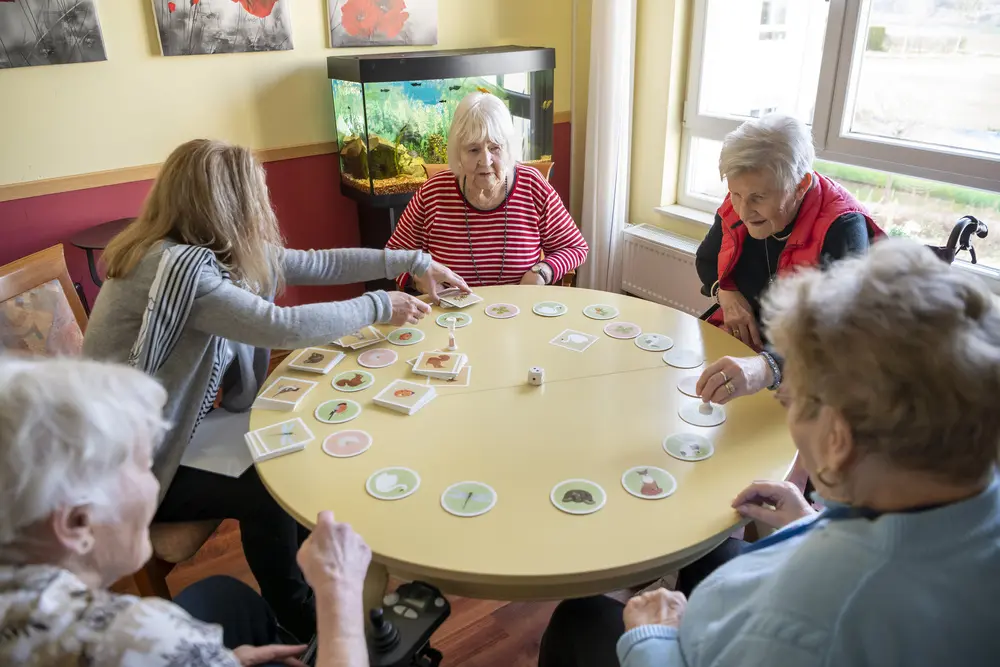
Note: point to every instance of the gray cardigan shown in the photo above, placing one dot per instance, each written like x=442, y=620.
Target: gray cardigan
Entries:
x=252, y=325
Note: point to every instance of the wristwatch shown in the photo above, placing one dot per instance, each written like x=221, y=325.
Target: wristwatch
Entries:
x=544, y=270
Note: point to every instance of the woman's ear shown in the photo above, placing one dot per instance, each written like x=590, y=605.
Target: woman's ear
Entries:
x=73, y=528
x=839, y=450
x=803, y=187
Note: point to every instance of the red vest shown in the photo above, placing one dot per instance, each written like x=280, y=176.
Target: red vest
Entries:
x=824, y=202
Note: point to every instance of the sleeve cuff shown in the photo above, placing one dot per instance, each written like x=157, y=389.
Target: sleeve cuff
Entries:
x=401, y=261
x=383, y=307
x=636, y=636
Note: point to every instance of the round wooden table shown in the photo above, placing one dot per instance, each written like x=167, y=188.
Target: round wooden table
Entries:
x=598, y=414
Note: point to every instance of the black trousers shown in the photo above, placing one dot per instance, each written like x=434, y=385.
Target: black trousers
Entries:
x=271, y=538
x=584, y=632
x=244, y=616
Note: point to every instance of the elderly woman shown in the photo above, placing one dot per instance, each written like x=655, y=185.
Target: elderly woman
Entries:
x=779, y=216
x=902, y=567
x=76, y=445
x=488, y=218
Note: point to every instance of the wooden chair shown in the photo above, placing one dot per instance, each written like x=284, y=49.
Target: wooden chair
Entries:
x=544, y=166
x=40, y=311
x=41, y=314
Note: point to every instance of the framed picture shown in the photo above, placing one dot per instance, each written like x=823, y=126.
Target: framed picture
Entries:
x=42, y=32
x=382, y=22
x=199, y=27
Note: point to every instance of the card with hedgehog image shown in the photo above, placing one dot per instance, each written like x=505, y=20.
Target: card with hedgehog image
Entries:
x=316, y=360
x=284, y=393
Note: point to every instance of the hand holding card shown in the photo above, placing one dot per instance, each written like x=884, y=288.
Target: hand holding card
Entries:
x=438, y=278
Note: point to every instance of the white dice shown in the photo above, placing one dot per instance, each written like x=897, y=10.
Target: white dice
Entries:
x=536, y=376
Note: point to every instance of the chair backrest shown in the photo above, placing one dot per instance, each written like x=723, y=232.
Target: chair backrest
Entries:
x=544, y=166
x=40, y=312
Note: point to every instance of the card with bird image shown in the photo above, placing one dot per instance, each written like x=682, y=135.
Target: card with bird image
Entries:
x=278, y=439
x=574, y=340
x=316, y=360
x=405, y=397
x=460, y=300
x=463, y=379
x=284, y=393
x=439, y=364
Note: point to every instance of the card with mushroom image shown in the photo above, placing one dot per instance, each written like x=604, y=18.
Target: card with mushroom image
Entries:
x=284, y=393
x=278, y=439
x=316, y=360
x=574, y=340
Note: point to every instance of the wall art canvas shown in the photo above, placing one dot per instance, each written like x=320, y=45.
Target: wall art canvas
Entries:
x=382, y=22
x=49, y=32
x=198, y=27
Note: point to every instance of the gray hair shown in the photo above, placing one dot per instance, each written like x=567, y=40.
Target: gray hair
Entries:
x=923, y=341
x=482, y=116
x=66, y=428
x=778, y=144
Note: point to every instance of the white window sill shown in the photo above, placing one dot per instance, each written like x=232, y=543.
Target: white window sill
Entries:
x=686, y=214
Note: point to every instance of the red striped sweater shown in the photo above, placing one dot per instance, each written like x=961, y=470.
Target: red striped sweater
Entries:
x=537, y=221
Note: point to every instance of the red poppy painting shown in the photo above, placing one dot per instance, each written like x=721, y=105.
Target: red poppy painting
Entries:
x=195, y=27
x=382, y=22
x=43, y=32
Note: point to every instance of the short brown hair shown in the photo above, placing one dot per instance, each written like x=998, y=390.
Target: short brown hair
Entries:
x=905, y=347
x=211, y=194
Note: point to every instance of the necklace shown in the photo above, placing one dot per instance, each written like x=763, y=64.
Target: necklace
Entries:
x=468, y=233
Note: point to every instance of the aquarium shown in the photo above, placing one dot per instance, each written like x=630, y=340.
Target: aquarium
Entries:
x=393, y=111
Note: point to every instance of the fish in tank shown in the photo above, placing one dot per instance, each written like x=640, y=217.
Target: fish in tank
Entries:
x=388, y=130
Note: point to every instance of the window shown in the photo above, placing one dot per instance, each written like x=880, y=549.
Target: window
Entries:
x=903, y=97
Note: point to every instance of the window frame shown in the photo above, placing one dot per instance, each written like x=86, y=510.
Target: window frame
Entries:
x=841, y=60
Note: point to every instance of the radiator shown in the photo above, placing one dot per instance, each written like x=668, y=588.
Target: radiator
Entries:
x=659, y=266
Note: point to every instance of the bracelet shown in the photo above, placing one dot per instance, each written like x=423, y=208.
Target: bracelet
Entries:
x=775, y=371
x=714, y=291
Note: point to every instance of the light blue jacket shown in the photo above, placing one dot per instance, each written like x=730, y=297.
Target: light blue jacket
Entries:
x=915, y=589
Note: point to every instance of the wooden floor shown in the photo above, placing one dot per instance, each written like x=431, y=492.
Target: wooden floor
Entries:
x=479, y=633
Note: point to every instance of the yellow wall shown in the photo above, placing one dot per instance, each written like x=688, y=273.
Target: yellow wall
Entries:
x=661, y=61
x=134, y=108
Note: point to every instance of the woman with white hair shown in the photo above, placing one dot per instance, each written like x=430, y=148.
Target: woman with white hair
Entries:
x=77, y=440
x=488, y=218
x=779, y=216
x=902, y=566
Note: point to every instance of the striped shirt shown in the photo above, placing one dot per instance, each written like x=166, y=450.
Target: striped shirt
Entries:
x=435, y=221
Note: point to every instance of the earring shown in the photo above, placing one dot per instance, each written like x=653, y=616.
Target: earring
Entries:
x=819, y=476
x=86, y=544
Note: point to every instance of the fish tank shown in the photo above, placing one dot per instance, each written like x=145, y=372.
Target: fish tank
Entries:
x=393, y=111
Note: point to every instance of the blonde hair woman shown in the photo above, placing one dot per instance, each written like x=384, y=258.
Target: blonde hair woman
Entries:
x=189, y=300
x=902, y=567
x=489, y=218
x=76, y=442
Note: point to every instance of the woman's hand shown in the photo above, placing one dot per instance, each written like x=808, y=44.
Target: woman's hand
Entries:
x=406, y=309
x=745, y=375
x=738, y=315
x=269, y=655
x=334, y=558
x=774, y=504
x=532, y=278
x=658, y=607
x=438, y=277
